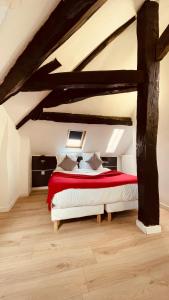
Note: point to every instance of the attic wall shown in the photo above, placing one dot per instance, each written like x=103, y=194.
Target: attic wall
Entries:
x=4, y=201
x=13, y=154
x=13, y=162
x=163, y=132
x=25, y=166
x=50, y=138
x=128, y=161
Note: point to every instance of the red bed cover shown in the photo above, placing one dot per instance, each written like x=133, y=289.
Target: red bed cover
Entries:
x=62, y=181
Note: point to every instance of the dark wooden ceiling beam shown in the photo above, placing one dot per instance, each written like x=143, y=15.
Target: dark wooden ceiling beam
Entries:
x=95, y=52
x=32, y=115
x=163, y=45
x=66, y=19
x=84, y=80
x=48, y=68
x=103, y=45
x=54, y=99
x=59, y=96
x=82, y=118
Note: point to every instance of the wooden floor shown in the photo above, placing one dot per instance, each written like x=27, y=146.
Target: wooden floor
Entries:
x=83, y=260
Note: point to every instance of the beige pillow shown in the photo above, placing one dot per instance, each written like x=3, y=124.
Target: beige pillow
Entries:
x=67, y=164
x=95, y=162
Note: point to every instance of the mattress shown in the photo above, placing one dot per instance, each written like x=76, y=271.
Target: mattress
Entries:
x=89, y=197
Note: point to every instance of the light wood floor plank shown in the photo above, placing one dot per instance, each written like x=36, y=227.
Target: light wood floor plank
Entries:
x=83, y=261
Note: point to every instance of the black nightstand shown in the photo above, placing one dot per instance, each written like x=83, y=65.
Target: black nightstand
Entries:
x=42, y=168
x=109, y=162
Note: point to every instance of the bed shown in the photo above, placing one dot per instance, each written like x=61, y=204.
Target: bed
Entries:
x=79, y=202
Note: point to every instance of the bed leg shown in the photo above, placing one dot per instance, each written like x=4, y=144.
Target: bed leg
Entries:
x=109, y=216
x=56, y=225
x=99, y=219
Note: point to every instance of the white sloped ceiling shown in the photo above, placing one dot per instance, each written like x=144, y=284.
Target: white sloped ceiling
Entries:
x=16, y=31
x=23, y=18
x=106, y=20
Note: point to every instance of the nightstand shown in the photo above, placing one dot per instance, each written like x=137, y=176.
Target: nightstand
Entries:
x=42, y=168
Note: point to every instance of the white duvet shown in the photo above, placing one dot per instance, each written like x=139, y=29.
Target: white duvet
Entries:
x=86, y=197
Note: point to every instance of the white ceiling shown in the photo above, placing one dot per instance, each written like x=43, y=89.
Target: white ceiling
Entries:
x=16, y=31
x=22, y=20
x=3, y=12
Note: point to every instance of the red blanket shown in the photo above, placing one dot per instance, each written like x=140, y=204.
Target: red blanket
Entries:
x=62, y=181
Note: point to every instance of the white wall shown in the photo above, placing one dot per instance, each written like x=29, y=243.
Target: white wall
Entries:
x=4, y=200
x=163, y=133
x=25, y=166
x=128, y=161
x=13, y=162
x=50, y=138
x=13, y=155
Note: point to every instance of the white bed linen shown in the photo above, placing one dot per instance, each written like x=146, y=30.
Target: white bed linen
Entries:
x=86, y=197
x=87, y=155
x=85, y=165
x=83, y=171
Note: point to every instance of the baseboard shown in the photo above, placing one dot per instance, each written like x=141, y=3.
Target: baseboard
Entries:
x=8, y=208
x=148, y=229
x=39, y=188
x=162, y=205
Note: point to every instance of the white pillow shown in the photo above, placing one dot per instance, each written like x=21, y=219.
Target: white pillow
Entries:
x=87, y=155
x=84, y=165
x=60, y=158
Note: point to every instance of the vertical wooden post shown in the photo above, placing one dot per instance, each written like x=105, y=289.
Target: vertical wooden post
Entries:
x=147, y=113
